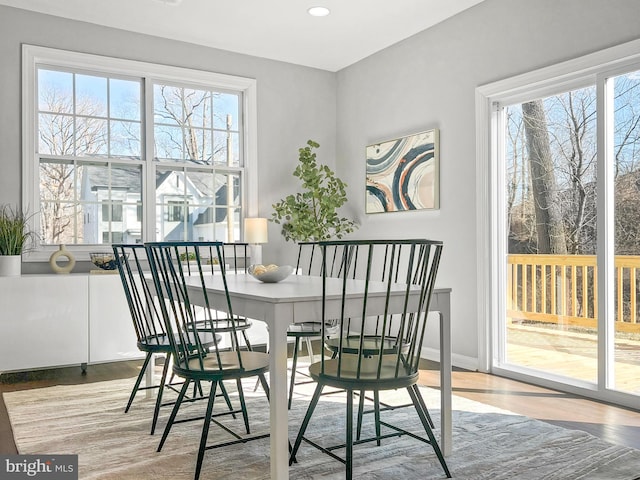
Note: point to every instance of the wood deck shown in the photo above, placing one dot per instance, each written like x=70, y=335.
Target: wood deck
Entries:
x=572, y=354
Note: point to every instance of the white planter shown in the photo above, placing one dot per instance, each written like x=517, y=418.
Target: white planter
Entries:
x=10, y=265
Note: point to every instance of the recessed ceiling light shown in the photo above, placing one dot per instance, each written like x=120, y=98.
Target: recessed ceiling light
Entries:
x=319, y=11
x=170, y=2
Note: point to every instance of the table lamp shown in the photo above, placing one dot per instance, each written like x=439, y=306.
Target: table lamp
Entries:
x=255, y=233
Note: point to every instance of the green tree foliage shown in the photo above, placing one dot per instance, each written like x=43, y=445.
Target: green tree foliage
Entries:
x=313, y=213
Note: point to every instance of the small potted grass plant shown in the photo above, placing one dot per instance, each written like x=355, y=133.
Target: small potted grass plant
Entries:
x=15, y=238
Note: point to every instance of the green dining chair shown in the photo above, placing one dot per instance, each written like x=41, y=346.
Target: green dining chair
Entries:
x=374, y=353
x=179, y=293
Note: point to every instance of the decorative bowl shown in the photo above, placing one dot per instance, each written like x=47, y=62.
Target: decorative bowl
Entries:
x=104, y=260
x=270, y=273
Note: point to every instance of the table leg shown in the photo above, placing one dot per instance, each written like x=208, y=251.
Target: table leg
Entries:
x=445, y=377
x=278, y=323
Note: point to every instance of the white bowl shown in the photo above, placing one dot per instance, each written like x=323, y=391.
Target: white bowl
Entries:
x=272, y=274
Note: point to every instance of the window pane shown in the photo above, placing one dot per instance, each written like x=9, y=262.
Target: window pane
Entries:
x=127, y=183
x=626, y=154
x=173, y=226
x=91, y=95
x=551, y=214
x=198, y=143
x=55, y=91
x=57, y=181
x=203, y=225
x=226, y=107
x=124, y=99
x=226, y=195
x=57, y=222
x=204, y=188
x=227, y=224
x=125, y=139
x=56, y=134
x=197, y=108
x=167, y=106
x=91, y=136
x=226, y=148
x=168, y=143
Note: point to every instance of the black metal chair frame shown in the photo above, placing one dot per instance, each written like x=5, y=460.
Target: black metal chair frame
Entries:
x=192, y=360
x=232, y=265
x=394, y=354
x=151, y=336
x=377, y=339
x=309, y=262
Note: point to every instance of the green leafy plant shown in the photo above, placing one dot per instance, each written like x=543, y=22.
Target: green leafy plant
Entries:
x=188, y=256
x=313, y=213
x=15, y=235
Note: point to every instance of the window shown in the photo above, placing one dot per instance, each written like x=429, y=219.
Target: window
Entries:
x=127, y=151
x=561, y=224
x=174, y=212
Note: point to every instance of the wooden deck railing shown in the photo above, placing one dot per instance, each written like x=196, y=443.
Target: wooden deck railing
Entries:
x=562, y=289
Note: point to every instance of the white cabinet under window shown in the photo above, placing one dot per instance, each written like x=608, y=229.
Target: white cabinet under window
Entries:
x=43, y=321
x=111, y=333
x=58, y=320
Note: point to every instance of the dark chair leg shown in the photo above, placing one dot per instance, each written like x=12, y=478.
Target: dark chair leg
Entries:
x=305, y=422
x=424, y=408
x=138, y=381
x=360, y=415
x=243, y=405
x=223, y=390
x=414, y=392
x=294, y=364
x=197, y=389
x=156, y=411
x=265, y=386
x=174, y=412
x=376, y=409
x=205, y=429
x=349, y=449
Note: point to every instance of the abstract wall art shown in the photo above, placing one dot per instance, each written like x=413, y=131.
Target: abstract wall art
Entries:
x=403, y=174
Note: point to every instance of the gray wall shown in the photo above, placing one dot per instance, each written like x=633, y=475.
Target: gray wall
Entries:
x=294, y=103
x=428, y=81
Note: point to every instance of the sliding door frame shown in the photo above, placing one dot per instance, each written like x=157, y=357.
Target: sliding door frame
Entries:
x=592, y=69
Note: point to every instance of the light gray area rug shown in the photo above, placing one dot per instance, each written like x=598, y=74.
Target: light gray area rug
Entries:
x=488, y=443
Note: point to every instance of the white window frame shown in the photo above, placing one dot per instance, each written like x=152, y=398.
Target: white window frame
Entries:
x=590, y=69
x=32, y=56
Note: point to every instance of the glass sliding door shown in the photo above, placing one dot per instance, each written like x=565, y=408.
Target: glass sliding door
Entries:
x=625, y=90
x=550, y=174
x=561, y=225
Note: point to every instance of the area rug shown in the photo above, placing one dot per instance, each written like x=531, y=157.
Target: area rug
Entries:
x=488, y=443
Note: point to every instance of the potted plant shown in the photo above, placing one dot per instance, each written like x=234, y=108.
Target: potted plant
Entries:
x=15, y=239
x=312, y=215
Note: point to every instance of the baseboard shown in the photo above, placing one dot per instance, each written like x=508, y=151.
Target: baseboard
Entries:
x=459, y=361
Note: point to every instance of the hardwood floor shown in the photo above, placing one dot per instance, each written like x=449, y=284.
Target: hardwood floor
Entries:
x=614, y=424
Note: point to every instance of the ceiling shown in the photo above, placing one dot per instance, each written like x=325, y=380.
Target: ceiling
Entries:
x=275, y=29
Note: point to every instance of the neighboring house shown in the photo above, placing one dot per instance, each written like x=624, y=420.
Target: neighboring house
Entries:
x=187, y=209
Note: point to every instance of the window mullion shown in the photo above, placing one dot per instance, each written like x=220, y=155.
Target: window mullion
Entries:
x=149, y=166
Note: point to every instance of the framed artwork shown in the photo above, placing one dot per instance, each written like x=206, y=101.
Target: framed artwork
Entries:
x=403, y=174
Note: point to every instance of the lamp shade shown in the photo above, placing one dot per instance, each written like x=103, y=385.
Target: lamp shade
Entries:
x=255, y=230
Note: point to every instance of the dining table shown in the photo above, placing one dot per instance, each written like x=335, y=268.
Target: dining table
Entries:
x=299, y=298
